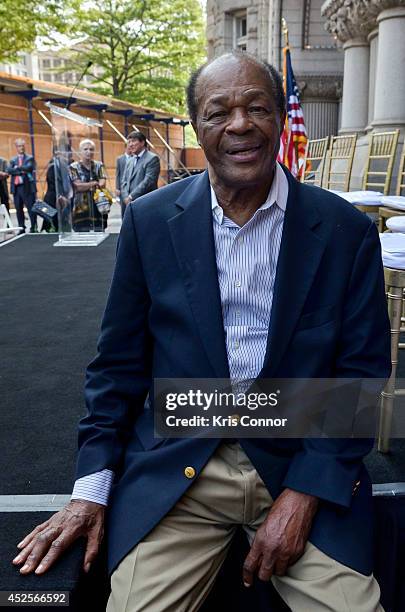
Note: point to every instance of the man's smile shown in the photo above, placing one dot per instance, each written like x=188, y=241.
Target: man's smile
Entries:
x=244, y=152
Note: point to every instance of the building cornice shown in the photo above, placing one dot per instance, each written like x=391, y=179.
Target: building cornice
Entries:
x=320, y=86
x=348, y=19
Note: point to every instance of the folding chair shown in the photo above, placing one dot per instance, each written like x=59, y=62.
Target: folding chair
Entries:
x=315, y=161
x=6, y=224
x=339, y=162
x=386, y=212
x=379, y=164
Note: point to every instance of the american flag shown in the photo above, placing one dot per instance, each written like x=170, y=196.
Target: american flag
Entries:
x=294, y=139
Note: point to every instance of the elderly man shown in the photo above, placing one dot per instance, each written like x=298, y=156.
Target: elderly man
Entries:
x=23, y=184
x=240, y=272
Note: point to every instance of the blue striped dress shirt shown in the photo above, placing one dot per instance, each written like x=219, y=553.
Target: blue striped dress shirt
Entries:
x=246, y=262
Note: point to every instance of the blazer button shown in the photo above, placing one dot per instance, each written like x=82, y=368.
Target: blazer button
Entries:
x=356, y=486
x=189, y=472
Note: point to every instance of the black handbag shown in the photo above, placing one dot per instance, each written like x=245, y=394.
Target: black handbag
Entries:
x=44, y=210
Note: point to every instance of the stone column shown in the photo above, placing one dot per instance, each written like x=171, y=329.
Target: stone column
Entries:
x=389, y=106
x=373, y=41
x=355, y=86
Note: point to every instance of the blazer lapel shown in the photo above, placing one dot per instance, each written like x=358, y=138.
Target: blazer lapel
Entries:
x=193, y=241
x=136, y=167
x=301, y=250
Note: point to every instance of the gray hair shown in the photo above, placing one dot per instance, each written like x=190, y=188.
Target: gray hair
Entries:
x=87, y=141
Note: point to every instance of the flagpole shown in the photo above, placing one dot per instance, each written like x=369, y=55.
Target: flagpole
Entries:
x=285, y=47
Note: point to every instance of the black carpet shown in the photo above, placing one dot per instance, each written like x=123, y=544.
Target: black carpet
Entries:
x=51, y=303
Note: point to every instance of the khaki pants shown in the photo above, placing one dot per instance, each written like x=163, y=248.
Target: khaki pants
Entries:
x=174, y=567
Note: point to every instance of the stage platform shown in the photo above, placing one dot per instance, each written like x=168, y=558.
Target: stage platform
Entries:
x=51, y=304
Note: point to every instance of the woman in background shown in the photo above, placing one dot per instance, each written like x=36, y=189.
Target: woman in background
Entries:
x=87, y=175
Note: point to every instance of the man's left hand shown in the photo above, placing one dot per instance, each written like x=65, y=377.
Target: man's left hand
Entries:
x=127, y=200
x=280, y=540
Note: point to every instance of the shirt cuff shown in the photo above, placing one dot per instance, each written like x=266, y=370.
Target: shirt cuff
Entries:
x=94, y=487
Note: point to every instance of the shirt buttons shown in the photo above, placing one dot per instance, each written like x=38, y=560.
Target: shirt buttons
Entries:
x=189, y=472
x=236, y=344
x=237, y=283
x=237, y=314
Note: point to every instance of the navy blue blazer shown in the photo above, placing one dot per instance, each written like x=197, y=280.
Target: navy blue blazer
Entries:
x=163, y=319
x=27, y=171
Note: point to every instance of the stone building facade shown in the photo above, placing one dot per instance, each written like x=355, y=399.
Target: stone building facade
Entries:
x=256, y=26
x=372, y=33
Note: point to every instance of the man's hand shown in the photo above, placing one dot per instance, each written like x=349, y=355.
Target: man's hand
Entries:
x=281, y=539
x=127, y=200
x=40, y=548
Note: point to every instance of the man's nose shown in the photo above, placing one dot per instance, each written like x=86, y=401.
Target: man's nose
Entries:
x=239, y=121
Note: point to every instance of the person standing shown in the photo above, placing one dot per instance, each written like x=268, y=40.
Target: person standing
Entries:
x=4, y=197
x=203, y=284
x=87, y=175
x=142, y=170
x=120, y=168
x=23, y=184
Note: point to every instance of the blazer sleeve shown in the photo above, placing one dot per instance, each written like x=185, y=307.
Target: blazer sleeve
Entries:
x=149, y=182
x=119, y=378
x=29, y=165
x=118, y=173
x=329, y=468
x=12, y=168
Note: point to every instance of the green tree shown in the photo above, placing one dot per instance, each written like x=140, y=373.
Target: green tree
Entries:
x=142, y=50
x=23, y=21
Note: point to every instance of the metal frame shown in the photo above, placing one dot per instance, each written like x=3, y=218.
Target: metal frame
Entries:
x=340, y=148
x=382, y=146
x=401, y=173
x=395, y=285
x=316, y=151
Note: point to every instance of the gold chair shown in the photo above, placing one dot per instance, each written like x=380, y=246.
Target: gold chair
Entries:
x=395, y=285
x=339, y=162
x=380, y=161
x=315, y=161
x=379, y=164
x=385, y=212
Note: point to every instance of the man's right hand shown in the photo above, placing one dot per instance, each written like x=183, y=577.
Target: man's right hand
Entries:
x=45, y=544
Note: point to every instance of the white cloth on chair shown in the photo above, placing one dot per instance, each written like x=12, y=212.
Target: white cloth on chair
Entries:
x=397, y=202
x=396, y=224
x=366, y=198
x=393, y=250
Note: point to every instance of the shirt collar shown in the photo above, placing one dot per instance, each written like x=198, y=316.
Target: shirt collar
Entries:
x=141, y=153
x=278, y=194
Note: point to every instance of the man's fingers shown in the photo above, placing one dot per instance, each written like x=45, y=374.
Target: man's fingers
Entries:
x=55, y=550
x=250, y=565
x=92, y=548
x=281, y=567
x=29, y=537
x=23, y=554
x=38, y=550
x=266, y=568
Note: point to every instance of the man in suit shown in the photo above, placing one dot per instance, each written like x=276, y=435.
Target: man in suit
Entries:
x=141, y=172
x=120, y=171
x=23, y=185
x=240, y=272
x=4, y=197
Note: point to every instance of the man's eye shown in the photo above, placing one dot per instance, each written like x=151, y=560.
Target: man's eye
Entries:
x=258, y=109
x=216, y=115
